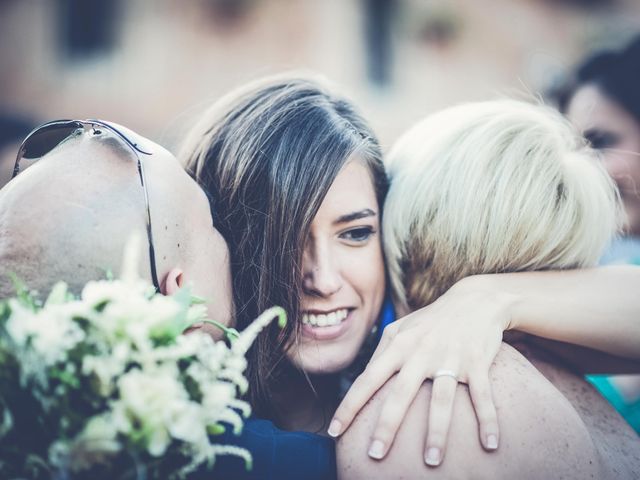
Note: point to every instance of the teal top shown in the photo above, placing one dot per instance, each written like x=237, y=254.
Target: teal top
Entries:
x=630, y=410
x=625, y=250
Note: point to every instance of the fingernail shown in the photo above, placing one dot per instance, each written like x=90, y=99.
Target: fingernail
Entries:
x=433, y=457
x=376, y=450
x=335, y=427
x=492, y=441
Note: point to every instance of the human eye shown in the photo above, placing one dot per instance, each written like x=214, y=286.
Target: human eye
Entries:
x=358, y=235
x=599, y=139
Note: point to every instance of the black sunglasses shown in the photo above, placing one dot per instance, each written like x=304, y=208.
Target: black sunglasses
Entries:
x=48, y=136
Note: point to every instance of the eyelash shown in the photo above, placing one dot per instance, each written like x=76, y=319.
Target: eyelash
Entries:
x=363, y=234
x=601, y=140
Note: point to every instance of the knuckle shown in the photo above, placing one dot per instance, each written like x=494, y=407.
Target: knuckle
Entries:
x=401, y=389
x=372, y=374
x=409, y=379
x=366, y=377
x=390, y=331
x=405, y=337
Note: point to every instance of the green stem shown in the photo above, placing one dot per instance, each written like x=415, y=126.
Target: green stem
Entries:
x=231, y=333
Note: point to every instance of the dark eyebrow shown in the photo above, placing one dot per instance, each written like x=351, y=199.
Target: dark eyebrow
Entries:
x=350, y=217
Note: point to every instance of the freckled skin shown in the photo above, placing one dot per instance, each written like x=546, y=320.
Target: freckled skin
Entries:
x=617, y=443
x=552, y=425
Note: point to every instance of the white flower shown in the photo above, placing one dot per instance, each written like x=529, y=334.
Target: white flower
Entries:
x=214, y=355
x=185, y=346
x=158, y=442
x=128, y=314
x=100, y=429
x=216, y=396
x=21, y=324
x=52, y=331
x=133, y=351
x=98, y=292
x=152, y=398
x=107, y=367
x=185, y=422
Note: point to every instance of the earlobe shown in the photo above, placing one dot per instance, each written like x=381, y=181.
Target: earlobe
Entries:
x=172, y=282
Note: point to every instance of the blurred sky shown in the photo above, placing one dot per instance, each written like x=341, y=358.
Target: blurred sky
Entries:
x=153, y=65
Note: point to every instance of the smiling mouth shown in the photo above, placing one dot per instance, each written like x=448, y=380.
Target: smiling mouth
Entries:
x=325, y=319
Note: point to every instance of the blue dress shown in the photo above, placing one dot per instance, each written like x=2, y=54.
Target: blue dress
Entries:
x=387, y=316
x=278, y=454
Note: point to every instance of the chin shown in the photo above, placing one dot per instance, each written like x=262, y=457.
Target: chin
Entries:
x=320, y=361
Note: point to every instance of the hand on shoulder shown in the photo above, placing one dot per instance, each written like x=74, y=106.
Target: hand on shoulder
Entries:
x=542, y=436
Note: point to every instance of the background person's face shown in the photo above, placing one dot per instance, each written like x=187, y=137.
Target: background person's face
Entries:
x=612, y=130
x=343, y=277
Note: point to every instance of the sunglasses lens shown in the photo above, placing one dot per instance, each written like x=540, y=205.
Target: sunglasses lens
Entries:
x=46, y=139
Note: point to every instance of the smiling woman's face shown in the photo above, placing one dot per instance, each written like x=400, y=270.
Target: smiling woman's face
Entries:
x=612, y=130
x=343, y=274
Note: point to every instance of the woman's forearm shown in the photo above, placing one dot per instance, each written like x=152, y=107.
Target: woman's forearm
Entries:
x=597, y=308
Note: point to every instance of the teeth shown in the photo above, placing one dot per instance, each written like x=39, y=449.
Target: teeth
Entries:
x=324, y=320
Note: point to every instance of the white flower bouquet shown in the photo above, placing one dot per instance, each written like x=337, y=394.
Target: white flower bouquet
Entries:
x=107, y=386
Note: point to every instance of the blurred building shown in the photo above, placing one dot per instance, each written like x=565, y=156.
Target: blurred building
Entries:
x=153, y=64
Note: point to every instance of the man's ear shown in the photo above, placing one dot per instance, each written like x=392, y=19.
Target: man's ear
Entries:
x=172, y=282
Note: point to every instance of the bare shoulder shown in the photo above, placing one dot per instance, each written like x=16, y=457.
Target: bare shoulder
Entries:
x=542, y=436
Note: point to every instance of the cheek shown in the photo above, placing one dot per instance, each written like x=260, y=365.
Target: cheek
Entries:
x=366, y=275
x=623, y=166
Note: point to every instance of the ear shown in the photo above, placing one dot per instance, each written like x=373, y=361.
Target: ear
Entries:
x=172, y=282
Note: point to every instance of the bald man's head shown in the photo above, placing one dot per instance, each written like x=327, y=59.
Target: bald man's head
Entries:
x=69, y=215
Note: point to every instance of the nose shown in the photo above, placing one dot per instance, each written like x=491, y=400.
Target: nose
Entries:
x=321, y=277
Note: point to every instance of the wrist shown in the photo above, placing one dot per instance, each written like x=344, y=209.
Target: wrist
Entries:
x=498, y=288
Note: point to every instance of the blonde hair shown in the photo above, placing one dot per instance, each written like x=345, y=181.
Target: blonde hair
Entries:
x=488, y=187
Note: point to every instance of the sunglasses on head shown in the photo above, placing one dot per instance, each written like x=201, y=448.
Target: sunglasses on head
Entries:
x=48, y=136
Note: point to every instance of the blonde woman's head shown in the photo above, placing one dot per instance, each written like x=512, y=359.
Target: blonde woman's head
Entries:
x=487, y=187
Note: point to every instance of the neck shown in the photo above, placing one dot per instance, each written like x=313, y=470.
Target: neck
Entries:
x=307, y=403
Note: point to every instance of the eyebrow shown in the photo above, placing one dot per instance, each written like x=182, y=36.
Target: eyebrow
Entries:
x=350, y=217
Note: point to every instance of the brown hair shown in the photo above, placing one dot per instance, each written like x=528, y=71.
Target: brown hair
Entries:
x=267, y=155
